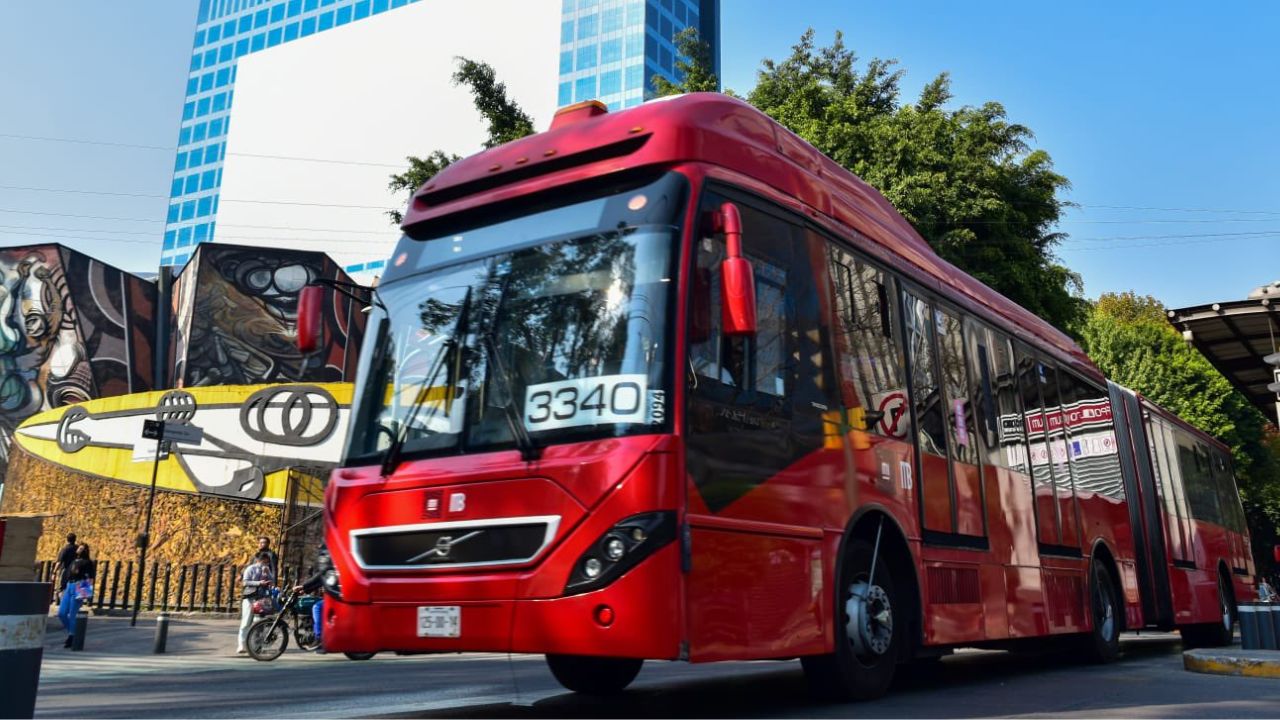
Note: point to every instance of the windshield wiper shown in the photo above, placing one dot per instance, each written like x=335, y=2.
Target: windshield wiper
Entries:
x=391, y=457
x=529, y=451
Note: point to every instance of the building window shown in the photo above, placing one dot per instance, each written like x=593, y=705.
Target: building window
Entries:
x=585, y=89
x=184, y=237
x=308, y=26
x=176, y=188
x=291, y=32
x=260, y=19
x=326, y=21
x=566, y=32
x=610, y=51
x=215, y=34
x=565, y=95
x=295, y=7
x=277, y=13
x=611, y=82
x=210, y=57
x=343, y=16
x=168, y=240
x=566, y=6
x=611, y=20
x=225, y=52
x=203, y=206
x=188, y=210
x=274, y=36
x=206, y=82
x=566, y=62
x=635, y=77
x=207, y=179
x=586, y=57
x=635, y=45
x=259, y=42
x=588, y=26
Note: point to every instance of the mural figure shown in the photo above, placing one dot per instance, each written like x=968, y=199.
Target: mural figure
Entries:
x=236, y=315
x=71, y=329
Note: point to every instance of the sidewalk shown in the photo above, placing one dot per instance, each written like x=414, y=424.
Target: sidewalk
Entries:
x=110, y=635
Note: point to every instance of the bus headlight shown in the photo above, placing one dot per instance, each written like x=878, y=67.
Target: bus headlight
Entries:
x=621, y=548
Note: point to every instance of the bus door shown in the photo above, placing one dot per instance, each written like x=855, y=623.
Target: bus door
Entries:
x=950, y=494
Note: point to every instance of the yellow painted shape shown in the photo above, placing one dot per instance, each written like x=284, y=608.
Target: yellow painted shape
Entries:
x=118, y=464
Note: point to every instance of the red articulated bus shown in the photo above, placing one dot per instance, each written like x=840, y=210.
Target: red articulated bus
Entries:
x=670, y=384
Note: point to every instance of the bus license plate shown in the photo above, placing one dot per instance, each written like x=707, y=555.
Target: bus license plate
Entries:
x=439, y=621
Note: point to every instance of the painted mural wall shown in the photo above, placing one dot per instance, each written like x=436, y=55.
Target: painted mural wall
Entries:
x=235, y=318
x=71, y=329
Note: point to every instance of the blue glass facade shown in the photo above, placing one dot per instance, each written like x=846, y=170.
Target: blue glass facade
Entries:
x=227, y=30
x=611, y=49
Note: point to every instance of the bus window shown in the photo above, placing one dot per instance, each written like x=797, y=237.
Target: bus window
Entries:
x=930, y=428
x=1165, y=463
x=982, y=392
x=1011, y=448
x=1091, y=440
x=743, y=427
x=961, y=426
x=1031, y=378
x=1056, y=431
x=871, y=358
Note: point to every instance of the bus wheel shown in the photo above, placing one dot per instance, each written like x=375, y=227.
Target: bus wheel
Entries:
x=1216, y=634
x=594, y=675
x=869, y=631
x=1104, y=611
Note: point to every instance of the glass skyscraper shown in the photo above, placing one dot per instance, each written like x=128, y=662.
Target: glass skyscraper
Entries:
x=611, y=49
x=227, y=30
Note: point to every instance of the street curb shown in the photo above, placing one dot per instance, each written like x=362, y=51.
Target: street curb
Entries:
x=1237, y=662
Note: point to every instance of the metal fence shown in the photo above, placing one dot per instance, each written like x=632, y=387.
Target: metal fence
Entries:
x=165, y=586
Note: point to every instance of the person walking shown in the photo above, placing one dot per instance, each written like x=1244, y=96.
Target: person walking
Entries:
x=62, y=567
x=1265, y=593
x=264, y=545
x=257, y=580
x=80, y=569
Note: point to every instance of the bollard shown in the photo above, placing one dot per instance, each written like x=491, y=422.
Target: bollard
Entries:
x=1272, y=615
x=1266, y=631
x=82, y=626
x=1250, y=638
x=162, y=633
x=23, y=616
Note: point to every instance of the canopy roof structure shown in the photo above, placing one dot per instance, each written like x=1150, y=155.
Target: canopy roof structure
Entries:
x=1235, y=336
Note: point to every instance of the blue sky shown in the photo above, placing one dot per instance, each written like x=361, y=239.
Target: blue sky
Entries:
x=1169, y=108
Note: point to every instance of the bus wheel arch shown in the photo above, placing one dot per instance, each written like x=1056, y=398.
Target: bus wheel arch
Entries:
x=1106, y=610
x=875, y=611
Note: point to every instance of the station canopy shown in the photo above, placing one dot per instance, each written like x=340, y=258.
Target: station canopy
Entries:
x=1235, y=336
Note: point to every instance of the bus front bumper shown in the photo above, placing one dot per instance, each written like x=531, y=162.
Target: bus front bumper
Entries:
x=638, y=615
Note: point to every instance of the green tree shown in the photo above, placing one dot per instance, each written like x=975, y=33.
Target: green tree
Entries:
x=1128, y=338
x=966, y=178
x=694, y=67
x=506, y=119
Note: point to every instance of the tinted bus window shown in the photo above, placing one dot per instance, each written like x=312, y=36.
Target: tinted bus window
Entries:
x=872, y=360
x=1091, y=439
x=955, y=387
x=1012, y=425
x=925, y=393
x=1031, y=378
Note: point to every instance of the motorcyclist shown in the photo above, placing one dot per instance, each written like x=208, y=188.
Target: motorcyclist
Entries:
x=310, y=585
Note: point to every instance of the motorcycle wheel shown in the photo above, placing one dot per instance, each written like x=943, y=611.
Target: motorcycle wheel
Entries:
x=267, y=640
x=304, y=634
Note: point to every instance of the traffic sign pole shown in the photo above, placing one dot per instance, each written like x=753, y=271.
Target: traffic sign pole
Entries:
x=145, y=539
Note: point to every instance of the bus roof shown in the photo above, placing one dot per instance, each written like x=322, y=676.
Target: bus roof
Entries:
x=585, y=143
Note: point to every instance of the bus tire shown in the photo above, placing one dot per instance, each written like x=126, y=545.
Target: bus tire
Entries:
x=863, y=665
x=1105, y=613
x=1214, y=634
x=594, y=675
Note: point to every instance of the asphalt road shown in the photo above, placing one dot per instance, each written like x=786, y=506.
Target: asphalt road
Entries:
x=1148, y=682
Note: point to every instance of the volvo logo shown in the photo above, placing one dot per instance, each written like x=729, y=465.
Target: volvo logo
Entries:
x=444, y=546
x=290, y=415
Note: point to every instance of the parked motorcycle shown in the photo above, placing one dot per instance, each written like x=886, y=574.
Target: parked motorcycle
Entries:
x=269, y=636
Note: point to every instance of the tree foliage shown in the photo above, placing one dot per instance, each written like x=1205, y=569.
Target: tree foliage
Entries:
x=966, y=178
x=506, y=119
x=1128, y=338
x=694, y=67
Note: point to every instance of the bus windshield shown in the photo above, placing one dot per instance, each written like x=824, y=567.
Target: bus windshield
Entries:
x=545, y=342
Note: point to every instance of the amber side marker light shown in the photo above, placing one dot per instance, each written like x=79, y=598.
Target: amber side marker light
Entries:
x=578, y=112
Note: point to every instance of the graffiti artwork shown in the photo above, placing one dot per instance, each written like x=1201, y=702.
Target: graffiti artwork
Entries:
x=235, y=311
x=71, y=329
x=252, y=435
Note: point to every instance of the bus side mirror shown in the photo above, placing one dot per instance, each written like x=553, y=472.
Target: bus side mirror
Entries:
x=737, y=280
x=309, y=301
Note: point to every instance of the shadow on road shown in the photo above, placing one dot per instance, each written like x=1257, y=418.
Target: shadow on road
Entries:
x=779, y=689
